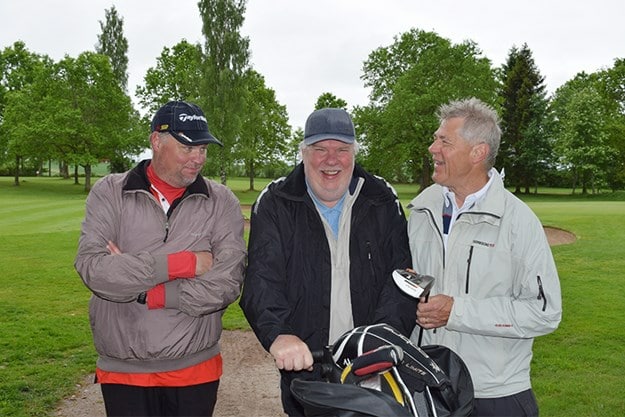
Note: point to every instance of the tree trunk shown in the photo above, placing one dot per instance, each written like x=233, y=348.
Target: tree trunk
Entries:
x=425, y=179
x=64, y=168
x=252, y=173
x=76, y=175
x=87, y=177
x=17, y=171
x=222, y=167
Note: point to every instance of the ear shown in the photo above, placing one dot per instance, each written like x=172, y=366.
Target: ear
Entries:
x=479, y=152
x=154, y=141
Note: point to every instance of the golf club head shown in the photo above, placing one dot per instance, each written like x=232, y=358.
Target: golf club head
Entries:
x=413, y=284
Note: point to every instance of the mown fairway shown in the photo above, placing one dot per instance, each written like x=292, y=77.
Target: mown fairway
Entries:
x=45, y=342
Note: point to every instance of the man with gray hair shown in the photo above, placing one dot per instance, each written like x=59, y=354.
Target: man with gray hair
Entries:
x=496, y=285
x=323, y=244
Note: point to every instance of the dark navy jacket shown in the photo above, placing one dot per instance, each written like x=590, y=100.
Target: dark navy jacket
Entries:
x=287, y=285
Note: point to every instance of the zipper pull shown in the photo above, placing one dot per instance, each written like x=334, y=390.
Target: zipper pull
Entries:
x=541, y=292
x=166, y=230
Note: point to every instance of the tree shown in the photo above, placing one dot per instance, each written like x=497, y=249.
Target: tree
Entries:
x=612, y=88
x=265, y=129
x=581, y=131
x=330, y=100
x=177, y=76
x=292, y=151
x=226, y=60
x=409, y=80
x=113, y=43
x=78, y=113
x=525, y=151
x=18, y=70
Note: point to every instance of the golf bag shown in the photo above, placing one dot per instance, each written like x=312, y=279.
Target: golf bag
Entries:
x=376, y=371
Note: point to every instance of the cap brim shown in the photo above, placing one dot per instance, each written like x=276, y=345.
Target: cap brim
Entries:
x=193, y=138
x=327, y=136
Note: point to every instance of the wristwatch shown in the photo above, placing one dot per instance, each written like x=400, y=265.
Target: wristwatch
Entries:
x=142, y=297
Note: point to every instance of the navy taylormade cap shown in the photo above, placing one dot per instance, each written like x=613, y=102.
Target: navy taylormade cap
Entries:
x=329, y=123
x=184, y=121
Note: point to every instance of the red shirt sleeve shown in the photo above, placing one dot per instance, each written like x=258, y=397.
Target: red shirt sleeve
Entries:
x=181, y=265
x=156, y=297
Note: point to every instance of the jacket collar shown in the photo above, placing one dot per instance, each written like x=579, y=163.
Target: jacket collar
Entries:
x=493, y=203
x=137, y=179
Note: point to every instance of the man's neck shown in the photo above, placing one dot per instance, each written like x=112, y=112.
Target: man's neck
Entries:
x=471, y=187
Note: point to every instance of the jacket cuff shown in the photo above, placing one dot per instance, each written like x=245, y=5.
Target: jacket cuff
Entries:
x=172, y=294
x=161, y=273
x=456, y=313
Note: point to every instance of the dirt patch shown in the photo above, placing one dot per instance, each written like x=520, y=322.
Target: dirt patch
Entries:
x=557, y=236
x=249, y=386
x=250, y=383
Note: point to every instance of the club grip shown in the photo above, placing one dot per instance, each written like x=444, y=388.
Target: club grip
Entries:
x=378, y=360
x=317, y=356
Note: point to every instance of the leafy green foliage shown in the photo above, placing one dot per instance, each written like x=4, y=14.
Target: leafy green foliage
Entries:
x=226, y=58
x=331, y=101
x=18, y=70
x=74, y=111
x=265, y=129
x=582, y=133
x=410, y=79
x=177, y=76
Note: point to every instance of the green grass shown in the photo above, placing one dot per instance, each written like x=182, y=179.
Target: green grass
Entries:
x=45, y=341
x=578, y=370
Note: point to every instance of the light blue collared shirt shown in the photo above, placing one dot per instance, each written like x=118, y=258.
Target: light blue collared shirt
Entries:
x=331, y=214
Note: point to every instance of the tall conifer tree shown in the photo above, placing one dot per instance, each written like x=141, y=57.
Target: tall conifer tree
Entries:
x=113, y=43
x=525, y=150
x=227, y=59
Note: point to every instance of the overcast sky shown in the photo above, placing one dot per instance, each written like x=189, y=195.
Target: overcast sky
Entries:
x=306, y=48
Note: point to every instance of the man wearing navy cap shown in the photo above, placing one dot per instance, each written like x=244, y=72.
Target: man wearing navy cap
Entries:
x=323, y=244
x=162, y=251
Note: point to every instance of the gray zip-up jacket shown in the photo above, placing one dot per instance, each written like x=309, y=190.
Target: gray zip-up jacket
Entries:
x=499, y=269
x=127, y=335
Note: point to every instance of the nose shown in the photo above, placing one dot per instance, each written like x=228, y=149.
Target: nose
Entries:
x=332, y=157
x=434, y=146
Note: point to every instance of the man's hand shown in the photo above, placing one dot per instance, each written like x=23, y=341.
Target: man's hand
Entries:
x=113, y=249
x=203, y=263
x=291, y=353
x=435, y=312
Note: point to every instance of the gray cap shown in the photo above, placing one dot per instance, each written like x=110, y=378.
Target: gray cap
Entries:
x=329, y=123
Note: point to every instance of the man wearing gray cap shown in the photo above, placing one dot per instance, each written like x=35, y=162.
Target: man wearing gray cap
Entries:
x=162, y=251
x=323, y=244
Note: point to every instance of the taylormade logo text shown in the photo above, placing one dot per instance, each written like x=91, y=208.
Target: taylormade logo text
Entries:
x=191, y=117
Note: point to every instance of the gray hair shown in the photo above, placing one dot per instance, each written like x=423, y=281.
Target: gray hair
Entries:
x=481, y=124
